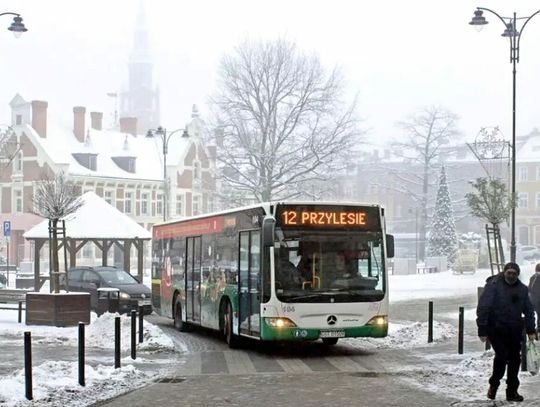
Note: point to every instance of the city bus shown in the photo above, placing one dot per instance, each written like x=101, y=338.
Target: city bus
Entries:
x=278, y=271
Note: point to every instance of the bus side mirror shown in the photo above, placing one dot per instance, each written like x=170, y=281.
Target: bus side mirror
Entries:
x=268, y=231
x=389, y=246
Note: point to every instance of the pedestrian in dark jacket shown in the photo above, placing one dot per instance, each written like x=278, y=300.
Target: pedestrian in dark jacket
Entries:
x=500, y=312
x=534, y=293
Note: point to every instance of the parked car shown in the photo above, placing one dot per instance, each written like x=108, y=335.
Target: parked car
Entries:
x=132, y=293
x=528, y=252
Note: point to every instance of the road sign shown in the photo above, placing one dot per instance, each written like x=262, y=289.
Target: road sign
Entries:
x=7, y=228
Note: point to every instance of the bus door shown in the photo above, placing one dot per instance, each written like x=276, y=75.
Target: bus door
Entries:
x=249, y=282
x=193, y=279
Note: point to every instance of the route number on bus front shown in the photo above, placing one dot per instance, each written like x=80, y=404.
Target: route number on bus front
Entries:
x=324, y=218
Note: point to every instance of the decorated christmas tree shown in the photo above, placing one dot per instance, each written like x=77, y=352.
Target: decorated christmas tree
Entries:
x=442, y=237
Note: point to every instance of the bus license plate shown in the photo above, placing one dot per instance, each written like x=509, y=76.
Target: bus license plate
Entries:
x=332, y=334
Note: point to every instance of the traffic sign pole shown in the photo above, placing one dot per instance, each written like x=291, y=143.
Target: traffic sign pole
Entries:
x=7, y=234
x=7, y=265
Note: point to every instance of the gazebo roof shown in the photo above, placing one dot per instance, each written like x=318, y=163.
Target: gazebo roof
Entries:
x=95, y=219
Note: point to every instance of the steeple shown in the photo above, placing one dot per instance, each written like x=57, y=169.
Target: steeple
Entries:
x=141, y=98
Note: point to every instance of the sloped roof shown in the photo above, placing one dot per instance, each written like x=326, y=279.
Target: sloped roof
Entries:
x=96, y=219
x=529, y=151
x=60, y=144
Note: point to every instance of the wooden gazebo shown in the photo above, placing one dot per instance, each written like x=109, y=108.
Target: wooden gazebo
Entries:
x=98, y=222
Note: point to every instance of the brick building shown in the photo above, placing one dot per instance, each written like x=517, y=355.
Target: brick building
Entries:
x=121, y=166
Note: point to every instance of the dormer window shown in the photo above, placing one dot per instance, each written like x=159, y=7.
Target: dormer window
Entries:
x=88, y=160
x=126, y=163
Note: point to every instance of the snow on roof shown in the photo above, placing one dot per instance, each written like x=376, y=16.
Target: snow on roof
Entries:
x=530, y=150
x=61, y=143
x=96, y=219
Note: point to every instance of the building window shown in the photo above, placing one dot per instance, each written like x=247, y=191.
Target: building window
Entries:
x=88, y=251
x=538, y=199
x=19, y=162
x=159, y=204
x=109, y=197
x=196, y=172
x=537, y=235
x=18, y=119
x=522, y=174
x=538, y=172
x=144, y=204
x=196, y=205
x=179, y=204
x=128, y=202
x=18, y=200
x=523, y=198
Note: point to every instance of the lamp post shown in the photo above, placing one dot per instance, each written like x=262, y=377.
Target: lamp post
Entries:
x=514, y=37
x=165, y=137
x=17, y=26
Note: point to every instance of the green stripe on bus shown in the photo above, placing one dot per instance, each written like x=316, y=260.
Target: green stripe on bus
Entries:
x=269, y=333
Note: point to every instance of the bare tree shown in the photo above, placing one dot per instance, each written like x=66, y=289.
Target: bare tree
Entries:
x=425, y=135
x=54, y=199
x=284, y=124
x=490, y=201
x=9, y=147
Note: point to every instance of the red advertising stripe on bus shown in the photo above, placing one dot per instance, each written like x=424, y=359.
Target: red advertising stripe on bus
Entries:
x=195, y=227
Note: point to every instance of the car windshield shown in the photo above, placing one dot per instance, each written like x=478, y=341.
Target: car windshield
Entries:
x=337, y=267
x=117, y=277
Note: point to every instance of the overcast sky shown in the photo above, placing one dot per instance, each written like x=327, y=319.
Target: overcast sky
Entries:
x=399, y=56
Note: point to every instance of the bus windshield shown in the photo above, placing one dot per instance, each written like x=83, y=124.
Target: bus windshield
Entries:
x=328, y=266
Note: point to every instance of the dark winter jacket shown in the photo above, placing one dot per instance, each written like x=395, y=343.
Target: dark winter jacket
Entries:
x=534, y=290
x=502, y=306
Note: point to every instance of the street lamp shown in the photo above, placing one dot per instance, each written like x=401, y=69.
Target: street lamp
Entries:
x=165, y=137
x=514, y=36
x=17, y=26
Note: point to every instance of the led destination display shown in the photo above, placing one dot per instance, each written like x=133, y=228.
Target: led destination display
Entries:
x=336, y=217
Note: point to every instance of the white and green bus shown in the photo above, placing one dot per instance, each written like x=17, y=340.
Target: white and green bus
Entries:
x=276, y=271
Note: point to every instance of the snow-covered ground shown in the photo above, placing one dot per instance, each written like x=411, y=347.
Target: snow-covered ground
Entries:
x=462, y=376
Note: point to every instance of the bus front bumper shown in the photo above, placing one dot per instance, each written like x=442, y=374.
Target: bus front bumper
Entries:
x=271, y=333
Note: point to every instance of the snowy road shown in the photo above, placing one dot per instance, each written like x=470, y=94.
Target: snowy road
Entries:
x=200, y=366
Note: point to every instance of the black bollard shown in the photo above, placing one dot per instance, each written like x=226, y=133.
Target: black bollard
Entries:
x=81, y=354
x=141, y=319
x=28, y=365
x=460, y=331
x=430, y=322
x=117, y=342
x=20, y=312
x=133, y=334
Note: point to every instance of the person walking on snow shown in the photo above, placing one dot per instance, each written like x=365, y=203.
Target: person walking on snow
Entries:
x=534, y=294
x=500, y=312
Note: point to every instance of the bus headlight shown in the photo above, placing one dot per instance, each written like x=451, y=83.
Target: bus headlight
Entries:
x=125, y=296
x=378, y=320
x=280, y=322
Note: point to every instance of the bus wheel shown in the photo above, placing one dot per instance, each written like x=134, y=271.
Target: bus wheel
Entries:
x=178, y=323
x=330, y=341
x=230, y=337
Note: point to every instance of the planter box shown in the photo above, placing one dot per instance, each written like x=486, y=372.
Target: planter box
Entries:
x=63, y=309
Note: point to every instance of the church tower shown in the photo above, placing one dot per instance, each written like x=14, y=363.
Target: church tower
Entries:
x=141, y=98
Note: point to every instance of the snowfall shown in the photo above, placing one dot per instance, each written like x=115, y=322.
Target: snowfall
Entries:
x=55, y=382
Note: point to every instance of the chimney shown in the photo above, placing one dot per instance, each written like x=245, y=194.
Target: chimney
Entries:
x=128, y=125
x=78, y=122
x=39, y=117
x=96, y=118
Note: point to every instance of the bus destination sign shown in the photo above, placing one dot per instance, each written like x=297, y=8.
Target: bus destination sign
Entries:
x=323, y=218
x=333, y=217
